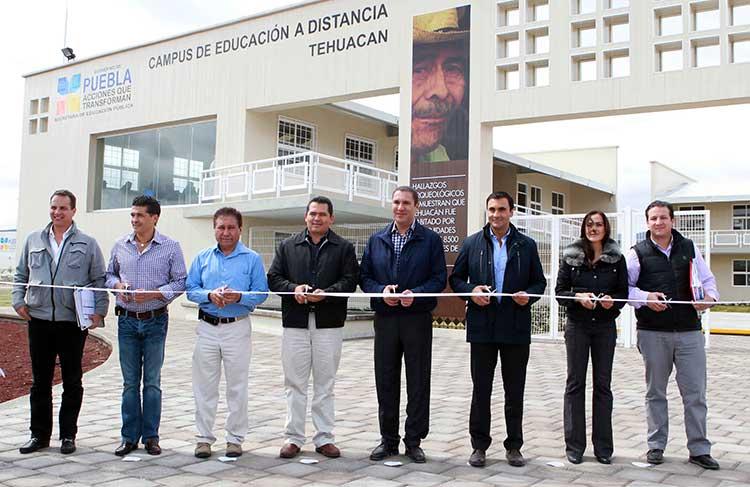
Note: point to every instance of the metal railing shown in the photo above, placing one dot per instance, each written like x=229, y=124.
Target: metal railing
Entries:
x=300, y=173
x=730, y=238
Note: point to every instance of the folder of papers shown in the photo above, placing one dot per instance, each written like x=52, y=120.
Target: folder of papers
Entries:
x=85, y=307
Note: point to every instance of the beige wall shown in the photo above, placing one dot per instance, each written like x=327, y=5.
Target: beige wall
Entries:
x=578, y=199
x=332, y=126
x=721, y=213
x=721, y=266
x=596, y=164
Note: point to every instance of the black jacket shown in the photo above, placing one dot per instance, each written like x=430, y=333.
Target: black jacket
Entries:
x=421, y=268
x=608, y=276
x=336, y=271
x=506, y=321
x=670, y=276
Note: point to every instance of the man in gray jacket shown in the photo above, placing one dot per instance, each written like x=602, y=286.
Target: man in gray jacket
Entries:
x=60, y=255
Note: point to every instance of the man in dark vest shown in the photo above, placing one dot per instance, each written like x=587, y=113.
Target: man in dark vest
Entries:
x=663, y=267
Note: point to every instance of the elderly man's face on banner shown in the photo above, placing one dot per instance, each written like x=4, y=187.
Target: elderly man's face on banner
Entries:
x=438, y=86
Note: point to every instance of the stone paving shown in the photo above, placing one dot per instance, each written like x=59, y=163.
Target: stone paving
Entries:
x=447, y=446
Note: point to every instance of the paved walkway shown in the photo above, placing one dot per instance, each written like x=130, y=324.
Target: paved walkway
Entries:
x=447, y=446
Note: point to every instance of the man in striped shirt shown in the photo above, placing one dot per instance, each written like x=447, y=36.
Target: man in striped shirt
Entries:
x=152, y=266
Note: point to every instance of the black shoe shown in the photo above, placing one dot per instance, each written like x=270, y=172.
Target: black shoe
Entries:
x=514, y=457
x=383, y=451
x=478, y=458
x=152, y=446
x=68, y=446
x=33, y=445
x=574, y=458
x=705, y=461
x=604, y=460
x=416, y=454
x=655, y=456
x=125, y=448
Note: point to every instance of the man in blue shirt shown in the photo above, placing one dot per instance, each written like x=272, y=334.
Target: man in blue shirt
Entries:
x=216, y=281
x=501, y=258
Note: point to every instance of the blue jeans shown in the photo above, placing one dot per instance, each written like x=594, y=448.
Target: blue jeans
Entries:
x=141, y=345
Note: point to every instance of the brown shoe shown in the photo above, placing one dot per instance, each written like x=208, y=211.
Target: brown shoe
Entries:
x=289, y=450
x=152, y=446
x=234, y=450
x=202, y=450
x=329, y=450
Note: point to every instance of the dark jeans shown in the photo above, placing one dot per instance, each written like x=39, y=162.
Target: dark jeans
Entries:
x=141, y=345
x=47, y=341
x=513, y=362
x=410, y=337
x=599, y=339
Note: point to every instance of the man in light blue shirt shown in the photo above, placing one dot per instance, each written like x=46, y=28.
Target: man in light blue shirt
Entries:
x=217, y=279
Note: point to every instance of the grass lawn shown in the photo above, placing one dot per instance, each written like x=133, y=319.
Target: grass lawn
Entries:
x=4, y=297
x=732, y=309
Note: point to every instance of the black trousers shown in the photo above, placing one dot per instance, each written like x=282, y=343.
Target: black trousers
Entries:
x=47, y=341
x=408, y=336
x=513, y=362
x=599, y=339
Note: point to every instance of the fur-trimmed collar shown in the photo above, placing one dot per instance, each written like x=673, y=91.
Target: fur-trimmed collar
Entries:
x=575, y=256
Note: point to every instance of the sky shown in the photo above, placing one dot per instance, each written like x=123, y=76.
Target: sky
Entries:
x=707, y=143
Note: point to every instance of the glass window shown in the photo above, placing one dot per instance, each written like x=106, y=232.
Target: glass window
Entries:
x=741, y=217
x=359, y=149
x=670, y=24
x=541, y=11
x=522, y=197
x=587, y=36
x=512, y=16
x=619, y=32
x=586, y=69
x=619, y=3
x=707, y=55
x=295, y=136
x=536, y=200
x=706, y=19
x=541, y=75
x=670, y=60
x=511, y=47
x=558, y=203
x=586, y=6
x=619, y=66
x=741, y=273
x=741, y=14
x=165, y=163
x=741, y=51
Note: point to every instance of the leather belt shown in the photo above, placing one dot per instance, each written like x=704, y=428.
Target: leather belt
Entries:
x=142, y=315
x=215, y=320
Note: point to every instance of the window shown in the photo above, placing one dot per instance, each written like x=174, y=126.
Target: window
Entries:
x=741, y=273
x=584, y=68
x=165, y=163
x=558, y=203
x=669, y=23
x=539, y=11
x=619, y=3
x=508, y=15
x=586, y=6
x=740, y=50
x=538, y=41
x=669, y=57
x=706, y=53
x=508, y=77
x=536, y=201
x=618, y=30
x=538, y=74
x=705, y=18
x=740, y=13
x=295, y=137
x=584, y=35
x=618, y=64
x=741, y=217
x=695, y=223
x=359, y=149
x=395, y=158
x=522, y=195
x=508, y=46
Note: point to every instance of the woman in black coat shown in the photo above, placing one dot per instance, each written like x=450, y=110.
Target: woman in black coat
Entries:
x=592, y=274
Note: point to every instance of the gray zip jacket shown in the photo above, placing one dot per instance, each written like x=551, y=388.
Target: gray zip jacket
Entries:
x=81, y=263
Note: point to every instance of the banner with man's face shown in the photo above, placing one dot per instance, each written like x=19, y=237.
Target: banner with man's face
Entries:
x=440, y=129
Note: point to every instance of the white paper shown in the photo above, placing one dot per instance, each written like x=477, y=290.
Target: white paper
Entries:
x=308, y=461
x=227, y=459
x=642, y=465
x=392, y=464
x=555, y=464
x=2, y=373
x=131, y=458
x=85, y=307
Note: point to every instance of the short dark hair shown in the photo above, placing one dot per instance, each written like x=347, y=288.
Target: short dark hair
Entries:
x=407, y=189
x=660, y=204
x=69, y=194
x=498, y=195
x=152, y=204
x=228, y=211
x=320, y=200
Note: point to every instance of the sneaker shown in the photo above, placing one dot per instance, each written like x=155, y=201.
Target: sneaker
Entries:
x=202, y=450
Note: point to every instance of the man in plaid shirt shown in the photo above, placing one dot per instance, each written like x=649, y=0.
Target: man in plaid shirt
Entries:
x=152, y=265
